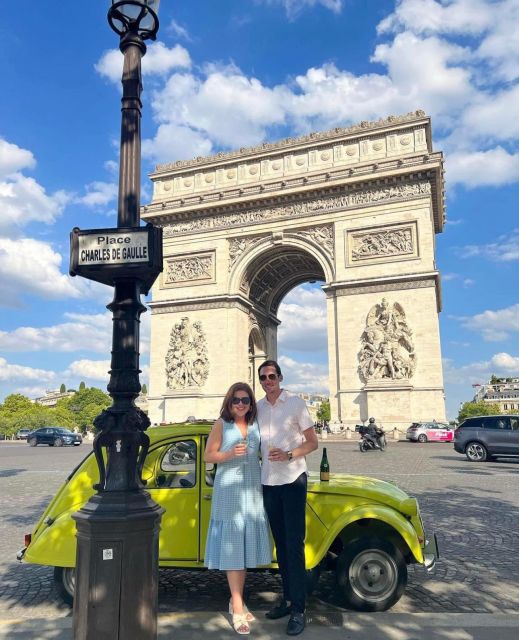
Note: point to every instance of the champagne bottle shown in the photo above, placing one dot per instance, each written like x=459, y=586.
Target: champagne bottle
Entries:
x=325, y=467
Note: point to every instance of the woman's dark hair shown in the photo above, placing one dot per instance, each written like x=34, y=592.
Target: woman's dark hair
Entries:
x=270, y=363
x=226, y=410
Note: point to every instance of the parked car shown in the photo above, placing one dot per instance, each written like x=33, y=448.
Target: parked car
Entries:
x=54, y=437
x=430, y=432
x=22, y=434
x=485, y=437
x=365, y=530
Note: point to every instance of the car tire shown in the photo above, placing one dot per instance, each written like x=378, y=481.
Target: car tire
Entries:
x=65, y=583
x=476, y=452
x=58, y=442
x=371, y=574
x=32, y=442
x=422, y=438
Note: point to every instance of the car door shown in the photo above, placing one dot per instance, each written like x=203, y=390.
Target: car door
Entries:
x=206, y=489
x=513, y=448
x=46, y=436
x=175, y=485
x=496, y=433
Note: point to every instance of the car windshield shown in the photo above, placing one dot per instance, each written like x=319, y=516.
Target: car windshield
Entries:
x=67, y=431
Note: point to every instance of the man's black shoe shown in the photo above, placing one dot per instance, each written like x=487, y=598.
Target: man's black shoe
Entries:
x=279, y=611
x=296, y=624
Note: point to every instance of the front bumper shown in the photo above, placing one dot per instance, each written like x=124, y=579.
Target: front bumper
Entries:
x=431, y=552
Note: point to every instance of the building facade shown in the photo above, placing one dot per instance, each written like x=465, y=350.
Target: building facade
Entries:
x=503, y=392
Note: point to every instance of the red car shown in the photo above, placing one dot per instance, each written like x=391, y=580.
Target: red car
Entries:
x=430, y=432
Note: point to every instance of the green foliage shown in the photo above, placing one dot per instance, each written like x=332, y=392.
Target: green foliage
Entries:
x=15, y=402
x=470, y=409
x=84, y=406
x=82, y=385
x=62, y=388
x=144, y=390
x=324, y=412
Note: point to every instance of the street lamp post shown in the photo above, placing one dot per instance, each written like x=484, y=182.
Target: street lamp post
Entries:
x=116, y=588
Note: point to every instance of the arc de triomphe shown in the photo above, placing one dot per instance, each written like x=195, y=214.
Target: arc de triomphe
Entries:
x=355, y=208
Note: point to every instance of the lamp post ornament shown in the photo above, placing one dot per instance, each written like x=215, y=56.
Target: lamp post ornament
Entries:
x=116, y=589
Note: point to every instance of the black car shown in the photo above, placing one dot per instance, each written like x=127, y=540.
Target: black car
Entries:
x=54, y=437
x=485, y=437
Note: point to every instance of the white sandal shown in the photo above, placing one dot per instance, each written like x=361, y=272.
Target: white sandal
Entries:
x=248, y=615
x=240, y=624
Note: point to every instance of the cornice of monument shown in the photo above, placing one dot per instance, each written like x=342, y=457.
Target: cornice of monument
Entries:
x=363, y=127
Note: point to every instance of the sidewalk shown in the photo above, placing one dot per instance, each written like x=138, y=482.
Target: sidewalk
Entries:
x=328, y=626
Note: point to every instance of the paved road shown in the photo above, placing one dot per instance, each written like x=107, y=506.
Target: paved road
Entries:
x=473, y=508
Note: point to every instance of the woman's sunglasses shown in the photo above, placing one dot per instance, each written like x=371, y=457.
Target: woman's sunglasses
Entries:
x=245, y=401
x=271, y=376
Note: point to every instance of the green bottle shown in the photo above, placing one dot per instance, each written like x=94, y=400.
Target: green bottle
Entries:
x=325, y=467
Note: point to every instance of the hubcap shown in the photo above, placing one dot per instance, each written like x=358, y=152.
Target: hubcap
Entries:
x=373, y=575
x=69, y=580
x=475, y=451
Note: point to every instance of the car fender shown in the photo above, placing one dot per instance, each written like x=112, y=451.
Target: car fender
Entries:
x=384, y=514
x=55, y=545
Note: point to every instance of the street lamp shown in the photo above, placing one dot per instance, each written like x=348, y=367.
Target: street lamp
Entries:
x=116, y=588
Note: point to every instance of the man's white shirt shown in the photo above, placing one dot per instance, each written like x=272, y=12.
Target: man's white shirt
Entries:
x=281, y=426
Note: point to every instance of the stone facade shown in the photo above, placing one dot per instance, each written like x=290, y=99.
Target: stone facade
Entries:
x=356, y=209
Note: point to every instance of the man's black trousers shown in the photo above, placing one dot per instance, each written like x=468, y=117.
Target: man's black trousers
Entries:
x=285, y=505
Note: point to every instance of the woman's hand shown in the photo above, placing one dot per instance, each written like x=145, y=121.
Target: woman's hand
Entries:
x=238, y=450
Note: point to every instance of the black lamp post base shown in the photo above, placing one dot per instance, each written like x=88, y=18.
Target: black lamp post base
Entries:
x=116, y=594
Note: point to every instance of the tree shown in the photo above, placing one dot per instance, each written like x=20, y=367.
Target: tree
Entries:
x=84, y=406
x=470, y=409
x=494, y=379
x=62, y=388
x=15, y=402
x=144, y=390
x=82, y=385
x=324, y=412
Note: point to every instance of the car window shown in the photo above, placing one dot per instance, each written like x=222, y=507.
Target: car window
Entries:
x=514, y=423
x=495, y=423
x=178, y=466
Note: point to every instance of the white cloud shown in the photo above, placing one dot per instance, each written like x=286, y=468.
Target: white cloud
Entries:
x=303, y=314
x=23, y=200
x=159, y=60
x=466, y=282
x=30, y=266
x=173, y=141
x=10, y=372
x=180, y=31
x=90, y=369
x=500, y=364
x=99, y=194
x=467, y=17
x=495, y=167
x=494, y=326
x=504, y=362
x=14, y=158
x=505, y=249
x=294, y=7
x=303, y=376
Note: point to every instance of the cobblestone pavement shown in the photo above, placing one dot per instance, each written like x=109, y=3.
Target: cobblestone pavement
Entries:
x=473, y=508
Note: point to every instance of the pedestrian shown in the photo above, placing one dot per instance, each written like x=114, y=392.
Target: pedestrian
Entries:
x=287, y=436
x=238, y=534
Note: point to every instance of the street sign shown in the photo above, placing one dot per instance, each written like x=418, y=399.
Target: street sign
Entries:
x=105, y=255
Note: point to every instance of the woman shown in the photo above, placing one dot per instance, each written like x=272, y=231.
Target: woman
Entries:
x=238, y=535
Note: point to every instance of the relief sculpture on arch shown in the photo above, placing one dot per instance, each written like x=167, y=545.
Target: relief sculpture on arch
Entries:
x=187, y=363
x=387, y=348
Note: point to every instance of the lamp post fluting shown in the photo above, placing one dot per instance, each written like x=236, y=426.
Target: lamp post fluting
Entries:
x=116, y=588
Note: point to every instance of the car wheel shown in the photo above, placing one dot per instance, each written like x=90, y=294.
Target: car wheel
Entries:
x=422, y=438
x=65, y=583
x=32, y=442
x=372, y=574
x=58, y=442
x=476, y=452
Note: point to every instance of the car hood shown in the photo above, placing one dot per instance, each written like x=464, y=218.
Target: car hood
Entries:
x=364, y=487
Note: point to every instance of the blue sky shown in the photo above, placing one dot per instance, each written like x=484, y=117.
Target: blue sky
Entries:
x=230, y=74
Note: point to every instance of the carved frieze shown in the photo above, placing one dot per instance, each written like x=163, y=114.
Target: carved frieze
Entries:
x=383, y=243
x=238, y=246
x=197, y=268
x=187, y=362
x=387, y=348
x=322, y=236
x=348, y=200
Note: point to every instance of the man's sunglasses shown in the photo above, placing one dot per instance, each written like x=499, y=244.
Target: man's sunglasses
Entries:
x=271, y=376
x=245, y=401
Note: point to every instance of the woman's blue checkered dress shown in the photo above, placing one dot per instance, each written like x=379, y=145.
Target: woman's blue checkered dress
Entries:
x=238, y=535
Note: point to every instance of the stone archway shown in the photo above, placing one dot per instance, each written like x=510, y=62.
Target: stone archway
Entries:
x=356, y=209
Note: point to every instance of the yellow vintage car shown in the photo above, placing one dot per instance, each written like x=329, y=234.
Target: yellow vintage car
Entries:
x=364, y=529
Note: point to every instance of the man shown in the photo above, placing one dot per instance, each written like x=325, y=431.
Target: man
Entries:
x=375, y=433
x=287, y=436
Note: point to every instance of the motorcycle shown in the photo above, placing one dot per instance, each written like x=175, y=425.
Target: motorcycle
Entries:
x=368, y=443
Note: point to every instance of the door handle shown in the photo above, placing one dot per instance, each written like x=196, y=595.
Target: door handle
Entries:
x=207, y=496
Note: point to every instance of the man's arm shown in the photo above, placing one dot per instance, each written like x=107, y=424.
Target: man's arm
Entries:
x=310, y=444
